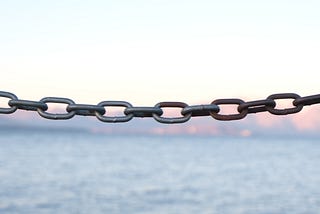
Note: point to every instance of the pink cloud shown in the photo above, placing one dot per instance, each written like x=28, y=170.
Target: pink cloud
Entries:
x=307, y=120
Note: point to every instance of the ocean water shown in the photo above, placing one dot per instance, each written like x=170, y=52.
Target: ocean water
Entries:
x=60, y=172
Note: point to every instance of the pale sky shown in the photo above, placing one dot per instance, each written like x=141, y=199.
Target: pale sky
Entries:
x=149, y=51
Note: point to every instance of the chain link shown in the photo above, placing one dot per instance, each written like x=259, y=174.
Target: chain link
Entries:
x=143, y=111
x=256, y=106
x=238, y=116
x=182, y=119
x=54, y=116
x=284, y=111
x=85, y=109
x=28, y=105
x=200, y=110
x=101, y=112
x=115, y=119
x=308, y=100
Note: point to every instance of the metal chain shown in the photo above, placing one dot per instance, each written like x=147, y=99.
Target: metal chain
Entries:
x=100, y=111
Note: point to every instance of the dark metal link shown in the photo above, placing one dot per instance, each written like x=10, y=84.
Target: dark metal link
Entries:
x=200, y=110
x=308, y=100
x=226, y=117
x=170, y=120
x=116, y=119
x=12, y=109
x=85, y=109
x=52, y=116
x=143, y=111
x=256, y=106
x=100, y=111
x=28, y=105
x=285, y=111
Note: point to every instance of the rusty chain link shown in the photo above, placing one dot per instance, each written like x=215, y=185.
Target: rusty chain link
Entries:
x=100, y=111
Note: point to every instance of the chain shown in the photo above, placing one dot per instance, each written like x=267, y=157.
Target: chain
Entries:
x=100, y=111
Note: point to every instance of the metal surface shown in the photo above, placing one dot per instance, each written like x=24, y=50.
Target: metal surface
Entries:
x=238, y=116
x=85, y=109
x=256, y=106
x=28, y=105
x=54, y=116
x=284, y=111
x=182, y=119
x=143, y=111
x=308, y=100
x=200, y=110
x=101, y=112
x=114, y=119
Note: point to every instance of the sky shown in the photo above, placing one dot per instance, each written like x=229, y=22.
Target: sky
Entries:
x=149, y=51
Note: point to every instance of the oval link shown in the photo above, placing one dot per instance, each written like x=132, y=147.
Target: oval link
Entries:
x=12, y=109
x=284, y=111
x=116, y=119
x=256, y=106
x=226, y=117
x=28, y=105
x=200, y=110
x=53, y=116
x=143, y=111
x=85, y=109
x=170, y=120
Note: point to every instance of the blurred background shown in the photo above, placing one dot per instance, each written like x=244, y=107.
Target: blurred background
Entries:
x=145, y=52
x=148, y=51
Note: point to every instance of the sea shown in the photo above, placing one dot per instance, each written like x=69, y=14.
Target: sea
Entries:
x=80, y=172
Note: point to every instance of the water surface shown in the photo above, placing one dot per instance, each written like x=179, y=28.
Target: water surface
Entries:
x=60, y=172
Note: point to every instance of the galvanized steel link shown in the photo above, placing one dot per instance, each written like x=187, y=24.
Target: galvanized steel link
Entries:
x=143, y=111
x=55, y=116
x=28, y=105
x=200, y=110
x=100, y=111
x=170, y=120
x=115, y=119
x=85, y=109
